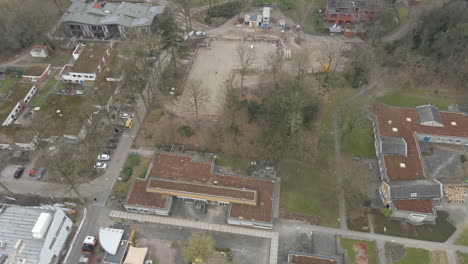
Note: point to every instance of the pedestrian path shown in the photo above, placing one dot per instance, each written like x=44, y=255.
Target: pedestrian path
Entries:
x=143, y=218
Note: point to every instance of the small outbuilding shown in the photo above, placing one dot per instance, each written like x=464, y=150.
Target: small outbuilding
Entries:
x=253, y=20
x=136, y=255
x=39, y=51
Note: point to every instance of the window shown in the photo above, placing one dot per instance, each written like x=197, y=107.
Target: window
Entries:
x=73, y=75
x=68, y=228
x=413, y=195
x=458, y=141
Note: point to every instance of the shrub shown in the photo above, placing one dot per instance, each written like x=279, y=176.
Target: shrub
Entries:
x=208, y=20
x=186, y=131
x=254, y=109
x=126, y=173
x=357, y=75
x=308, y=113
x=462, y=158
x=226, y=10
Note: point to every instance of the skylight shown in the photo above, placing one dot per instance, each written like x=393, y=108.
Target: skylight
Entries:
x=394, y=129
x=402, y=165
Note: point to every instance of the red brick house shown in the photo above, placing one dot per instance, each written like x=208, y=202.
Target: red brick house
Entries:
x=342, y=12
x=37, y=72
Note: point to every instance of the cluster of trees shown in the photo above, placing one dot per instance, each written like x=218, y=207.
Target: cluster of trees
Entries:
x=437, y=46
x=26, y=23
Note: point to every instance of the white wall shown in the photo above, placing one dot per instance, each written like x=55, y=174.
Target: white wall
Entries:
x=56, y=236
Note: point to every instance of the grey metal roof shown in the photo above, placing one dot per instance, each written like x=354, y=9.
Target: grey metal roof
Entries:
x=393, y=145
x=418, y=189
x=122, y=249
x=123, y=14
x=429, y=113
x=16, y=223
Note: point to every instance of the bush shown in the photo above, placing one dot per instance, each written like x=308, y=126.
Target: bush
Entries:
x=308, y=113
x=169, y=79
x=254, y=109
x=357, y=75
x=462, y=158
x=208, y=20
x=226, y=10
x=186, y=131
x=127, y=173
x=133, y=160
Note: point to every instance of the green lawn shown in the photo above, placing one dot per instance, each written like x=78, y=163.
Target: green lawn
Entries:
x=309, y=189
x=403, y=13
x=44, y=91
x=59, y=58
x=462, y=258
x=360, y=140
x=439, y=232
x=139, y=165
x=415, y=97
x=463, y=238
x=232, y=162
x=6, y=84
x=416, y=256
x=348, y=245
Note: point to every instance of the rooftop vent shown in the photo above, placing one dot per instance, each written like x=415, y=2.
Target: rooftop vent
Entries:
x=42, y=224
x=389, y=122
x=408, y=119
x=453, y=123
x=215, y=182
x=394, y=129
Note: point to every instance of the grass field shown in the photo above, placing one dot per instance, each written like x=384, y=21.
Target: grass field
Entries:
x=439, y=232
x=359, y=141
x=240, y=163
x=139, y=165
x=6, y=84
x=415, y=97
x=416, y=256
x=463, y=238
x=44, y=91
x=462, y=258
x=348, y=245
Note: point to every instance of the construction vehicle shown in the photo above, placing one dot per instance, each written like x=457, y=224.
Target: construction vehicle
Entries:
x=87, y=250
x=325, y=68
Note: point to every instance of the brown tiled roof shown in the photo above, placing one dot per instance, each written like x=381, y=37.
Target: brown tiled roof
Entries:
x=417, y=206
x=139, y=196
x=306, y=259
x=406, y=130
x=36, y=69
x=183, y=168
x=208, y=189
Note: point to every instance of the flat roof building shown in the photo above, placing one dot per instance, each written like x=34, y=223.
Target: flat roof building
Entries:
x=32, y=235
x=406, y=189
x=250, y=199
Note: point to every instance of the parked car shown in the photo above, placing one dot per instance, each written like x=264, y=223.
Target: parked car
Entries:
x=19, y=171
x=199, y=33
x=118, y=129
x=32, y=172
x=100, y=165
x=103, y=157
x=111, y=146
x=40, y=173
x=113, y=140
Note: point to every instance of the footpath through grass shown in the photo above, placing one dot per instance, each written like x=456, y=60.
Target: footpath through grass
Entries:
x=348, y=245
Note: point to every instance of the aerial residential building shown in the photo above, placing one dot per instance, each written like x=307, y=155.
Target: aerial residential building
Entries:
x=37, y=72
x=406, y=189
x=93, y=19
x=342, y=12
x=90, y=61
x=30, y=235
x=176, y=176
x=14, y=103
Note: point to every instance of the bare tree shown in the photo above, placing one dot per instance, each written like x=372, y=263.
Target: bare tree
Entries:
x=247, y=57
x=331, y=54
x=302, y=62
x=274, y=60
x=303, y=10
x=185, y=13
x=231, y=102
x=65, y=169
x=198, y=97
